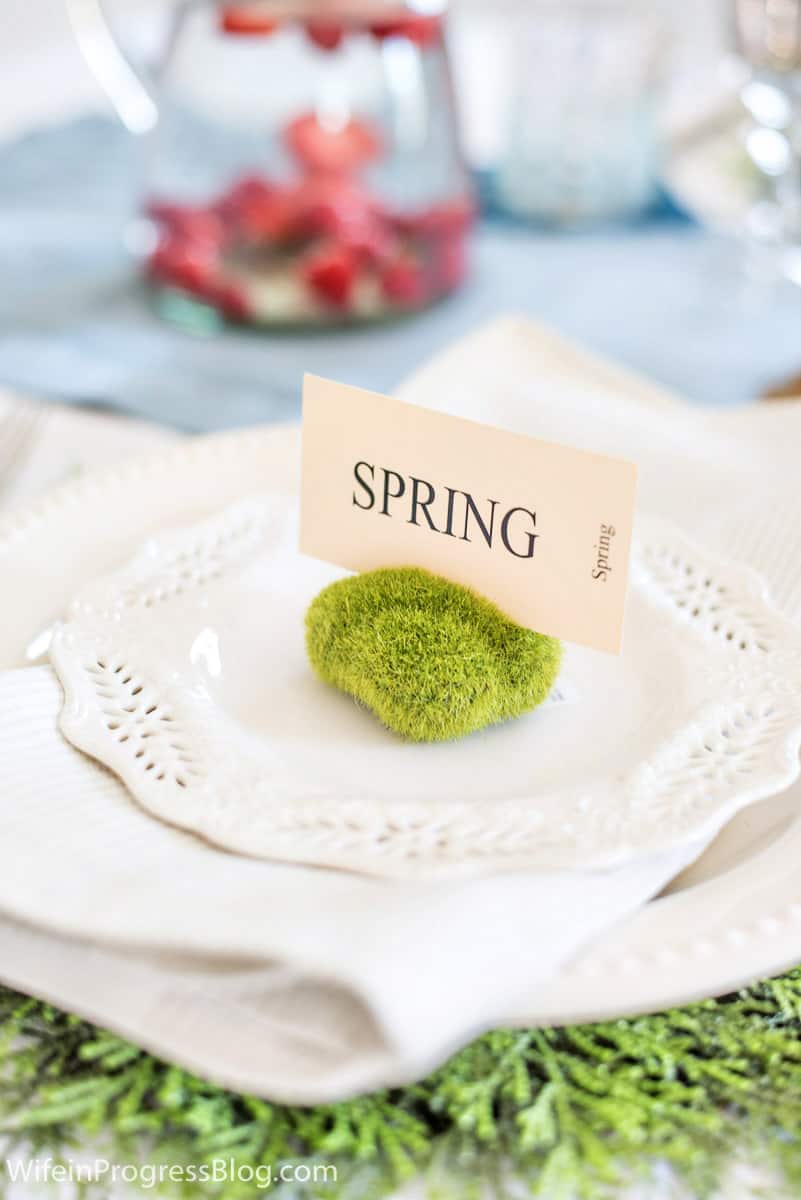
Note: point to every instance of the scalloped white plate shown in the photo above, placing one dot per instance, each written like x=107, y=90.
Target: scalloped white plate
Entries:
x=735, y=914
x=185, y=673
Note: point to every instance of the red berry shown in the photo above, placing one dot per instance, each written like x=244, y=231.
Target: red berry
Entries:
x=324, y=34
x=330, y=272
x=248, y=189
x=337, y=149
x=201, y=228
x=338, y=208
x=371, y=243
x=197, y=225
x=332, y=204
x=403, y=282
x=450, y=261
x=455, y=216
x=232, y=301
x=247, y=19
x=423, y=31
x=270, y=216
x=183, y=265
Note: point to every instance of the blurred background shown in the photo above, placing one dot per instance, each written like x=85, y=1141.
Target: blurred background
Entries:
x=44, y=78
x=201, y=200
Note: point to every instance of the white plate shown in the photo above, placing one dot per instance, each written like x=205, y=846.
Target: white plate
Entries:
x=186, y=674
x=735, y=915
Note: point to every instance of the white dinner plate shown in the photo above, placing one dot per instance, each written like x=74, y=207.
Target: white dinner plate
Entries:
x=734, y=915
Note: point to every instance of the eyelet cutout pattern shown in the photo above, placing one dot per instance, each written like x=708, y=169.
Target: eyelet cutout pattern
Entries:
x=142, y=726
x=171, y=566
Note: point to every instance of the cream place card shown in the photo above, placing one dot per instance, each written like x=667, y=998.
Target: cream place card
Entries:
x=541, y=529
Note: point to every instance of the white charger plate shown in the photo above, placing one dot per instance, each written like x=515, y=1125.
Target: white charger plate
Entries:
x=735, y=915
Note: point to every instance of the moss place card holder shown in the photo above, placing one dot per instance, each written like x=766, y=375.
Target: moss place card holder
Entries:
x=430, y=658
x=541, y=529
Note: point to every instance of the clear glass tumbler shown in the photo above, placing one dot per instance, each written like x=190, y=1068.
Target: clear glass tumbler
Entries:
x=582, y=141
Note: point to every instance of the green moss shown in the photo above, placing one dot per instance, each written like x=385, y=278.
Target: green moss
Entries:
x=431, y=658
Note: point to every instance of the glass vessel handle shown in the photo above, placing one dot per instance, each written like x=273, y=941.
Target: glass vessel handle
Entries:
x=129, y=95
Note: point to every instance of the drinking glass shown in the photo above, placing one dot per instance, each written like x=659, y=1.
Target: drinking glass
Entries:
x=768, y=38
x=582, y=141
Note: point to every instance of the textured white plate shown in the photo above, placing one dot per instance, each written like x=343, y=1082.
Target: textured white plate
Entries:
x=736, y=913
x=185, y=673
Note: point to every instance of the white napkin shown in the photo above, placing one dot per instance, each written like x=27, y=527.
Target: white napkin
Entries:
x=348, y=982
x=303, y=984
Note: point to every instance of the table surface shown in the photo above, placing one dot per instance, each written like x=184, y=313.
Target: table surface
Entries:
x=665, y=298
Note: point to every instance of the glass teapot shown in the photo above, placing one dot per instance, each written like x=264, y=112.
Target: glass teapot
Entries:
x=302, y=164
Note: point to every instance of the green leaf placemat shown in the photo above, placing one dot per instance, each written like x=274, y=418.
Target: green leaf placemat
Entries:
x=572, y=1111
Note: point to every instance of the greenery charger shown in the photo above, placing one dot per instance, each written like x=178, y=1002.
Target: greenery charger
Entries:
x=572, y=1112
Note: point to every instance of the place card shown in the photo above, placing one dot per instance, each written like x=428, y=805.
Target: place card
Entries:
x=541, y=529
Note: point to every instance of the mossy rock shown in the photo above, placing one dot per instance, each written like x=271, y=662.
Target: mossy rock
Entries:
x=432, y=659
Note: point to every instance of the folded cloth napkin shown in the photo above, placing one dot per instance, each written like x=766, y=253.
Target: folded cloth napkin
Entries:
x=306, y=984
x=340, y=982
